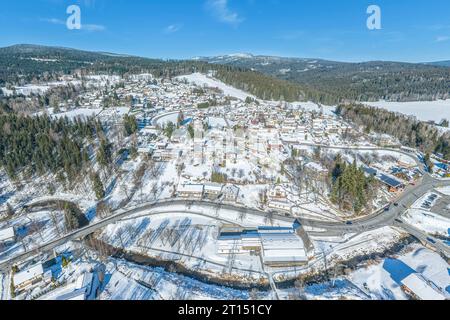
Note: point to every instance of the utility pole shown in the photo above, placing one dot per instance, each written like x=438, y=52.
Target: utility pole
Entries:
x=326, y=265
x=336, y=269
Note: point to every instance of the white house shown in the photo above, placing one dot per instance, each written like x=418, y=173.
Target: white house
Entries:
x=85, y=288
x=27, y=278
x=416, y=285
x=277, y=192
x=190, y=191
x=7, y=236
x=231, y=193
x=212, y=189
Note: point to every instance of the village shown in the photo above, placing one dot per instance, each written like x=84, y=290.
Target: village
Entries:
x=218, y=145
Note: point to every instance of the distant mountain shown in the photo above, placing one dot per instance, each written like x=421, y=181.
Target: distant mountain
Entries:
x=364, y=81
x=33, y=61
x=267, y=77
x=440, y=63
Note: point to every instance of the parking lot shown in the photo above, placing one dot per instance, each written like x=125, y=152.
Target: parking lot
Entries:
x=442, y=207
x=429, y=202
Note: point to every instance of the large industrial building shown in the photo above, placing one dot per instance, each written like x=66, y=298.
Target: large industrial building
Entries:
x=278, y=246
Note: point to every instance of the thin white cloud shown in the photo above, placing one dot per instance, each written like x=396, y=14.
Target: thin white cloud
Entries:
x=292, y=35
x=437, y=27
x=442, y=38
x=53, y=21
x=87, y=27
x=220, y=9
x=93, y=27
x=172, y=28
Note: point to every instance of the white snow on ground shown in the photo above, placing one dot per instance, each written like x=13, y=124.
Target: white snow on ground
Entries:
x=32, y=230
x=339, y=289
x=166, y=118
x=364, y=243
x=189, y=239
x=444, y=190
x=218, y=122
x=82, y=203
x=90, y=81
x=343, y=248
x=206, y=81
x=383, y=280
x=423, y=110
x=311, y=106
x=398, y=156
x=427, y=221
x=128, y=281
x=78, y=113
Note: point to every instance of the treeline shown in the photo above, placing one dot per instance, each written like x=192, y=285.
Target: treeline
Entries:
x=40, y=144
x=351, y=189
x=268, y=88
x=407, y=129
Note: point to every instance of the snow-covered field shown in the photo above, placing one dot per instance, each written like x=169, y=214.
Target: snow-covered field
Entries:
x=444, y=190
x=81, y=112
x=423, y=110
x=206, y=81
x=189, y=239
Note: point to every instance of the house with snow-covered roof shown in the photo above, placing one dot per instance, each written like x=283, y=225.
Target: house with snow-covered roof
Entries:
x=190, y=191
x=28, y=278
x=7, y=236
x=422, y=289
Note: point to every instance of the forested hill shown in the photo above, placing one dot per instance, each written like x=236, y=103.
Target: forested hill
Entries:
x=440, y=63
x=367, y=81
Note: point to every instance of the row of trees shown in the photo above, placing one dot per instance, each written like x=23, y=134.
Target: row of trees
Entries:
x=351, y=189
x=130, y=125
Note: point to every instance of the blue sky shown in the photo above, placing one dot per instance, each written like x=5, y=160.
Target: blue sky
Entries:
x=412, y=30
